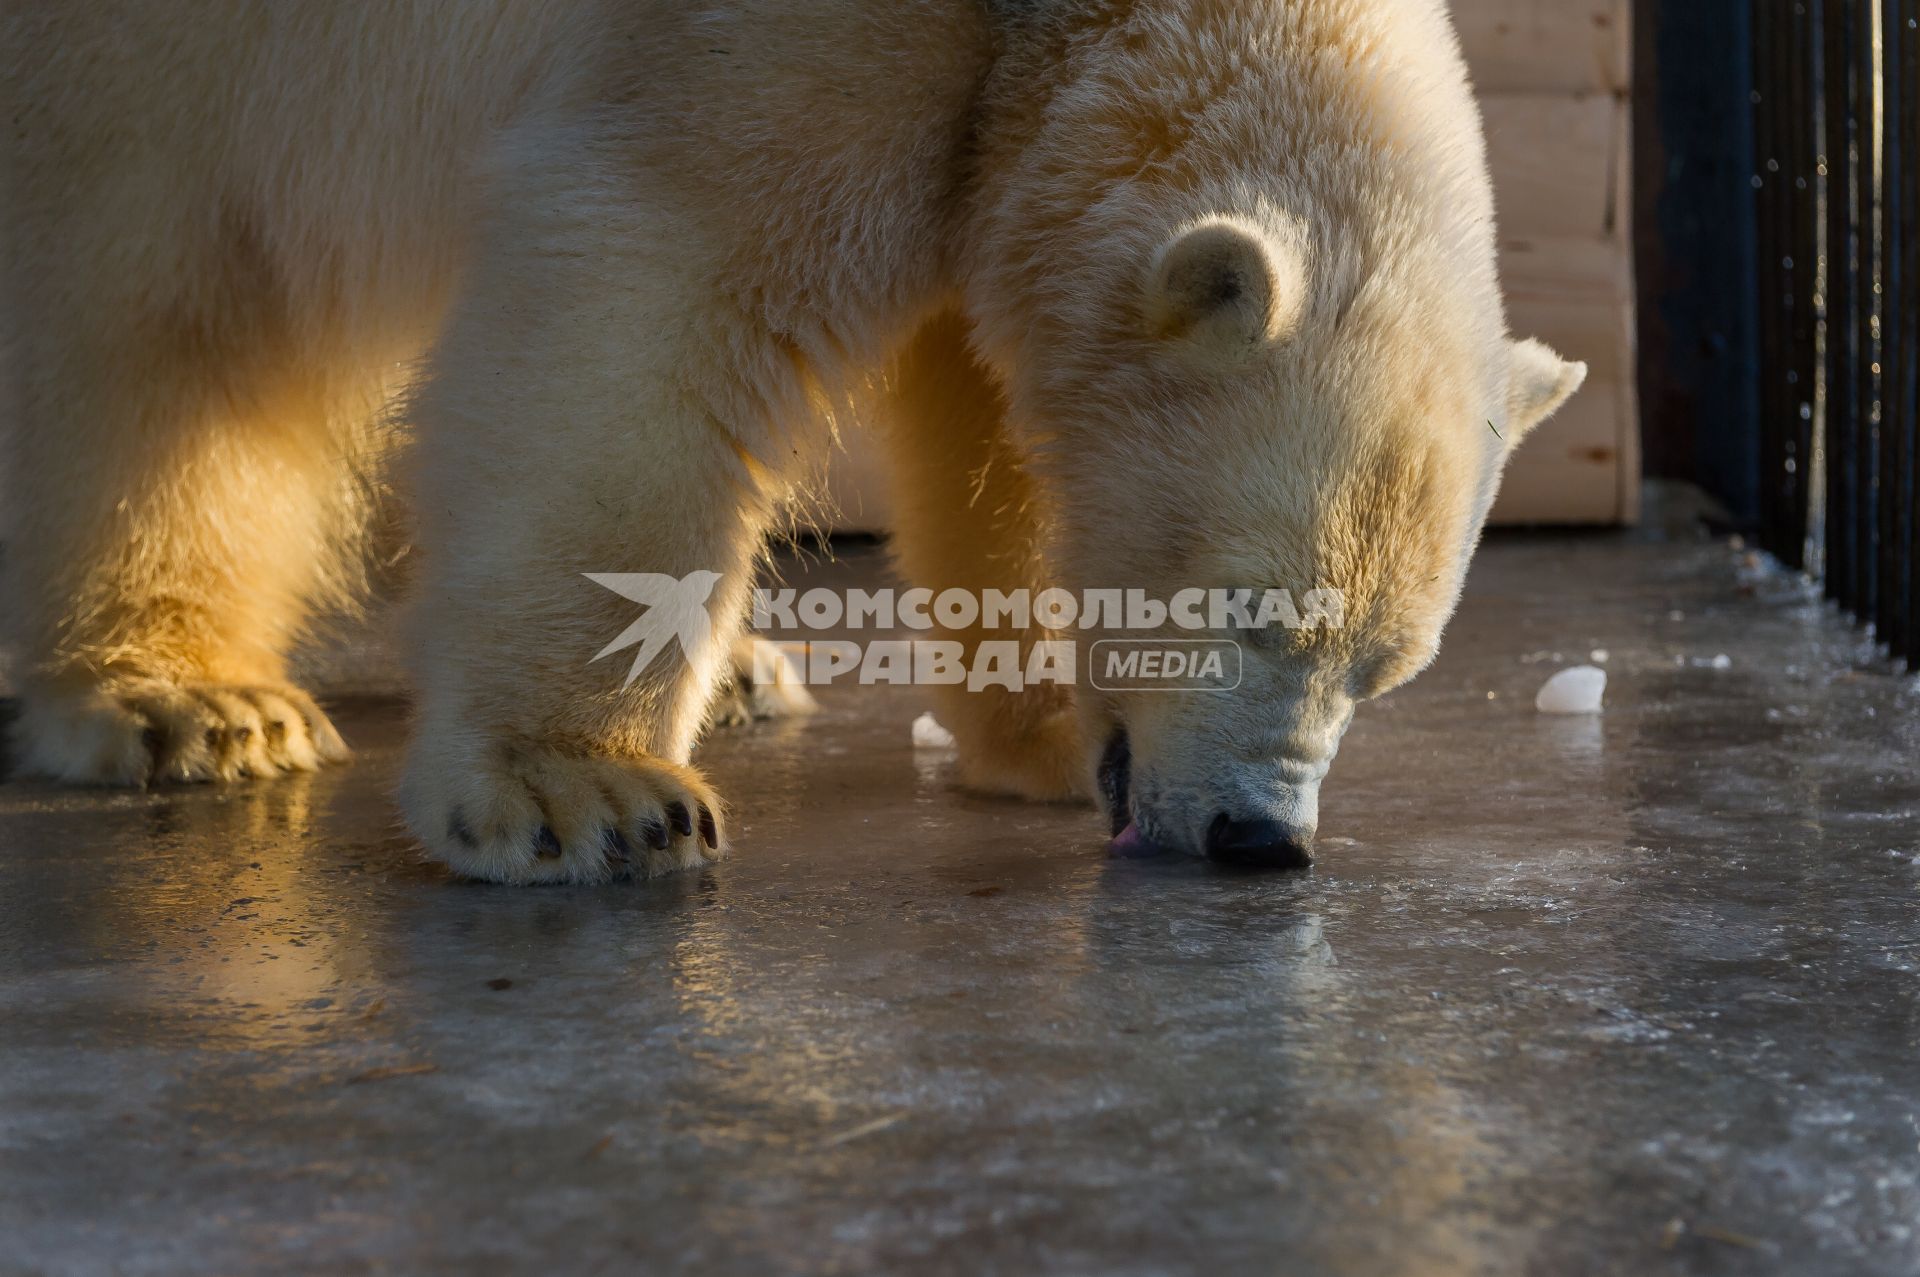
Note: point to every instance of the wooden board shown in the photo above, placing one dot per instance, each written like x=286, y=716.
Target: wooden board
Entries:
x=1570, y=469
x=1575, y=295
x=1583, y=465
x=1556, y=162
x=1560, y=166
x=1557, y=46
x=1563, y=268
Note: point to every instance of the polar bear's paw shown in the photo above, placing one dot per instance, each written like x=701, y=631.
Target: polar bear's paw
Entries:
x=148, y=732
x=1042, y=762
x=762, y=682
x=536, y=813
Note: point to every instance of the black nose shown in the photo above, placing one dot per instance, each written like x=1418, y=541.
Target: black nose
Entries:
x=1263, y=844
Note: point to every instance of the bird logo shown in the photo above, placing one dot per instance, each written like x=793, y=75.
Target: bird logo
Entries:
x=676, y=609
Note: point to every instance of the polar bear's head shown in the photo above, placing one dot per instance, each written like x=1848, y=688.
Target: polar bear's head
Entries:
x=1239, y=283
x=1285, y=434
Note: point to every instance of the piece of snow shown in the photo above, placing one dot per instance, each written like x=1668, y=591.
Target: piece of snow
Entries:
x=1578, y=690
x=928, y=734
x=1599, y=656
x=1721, y=662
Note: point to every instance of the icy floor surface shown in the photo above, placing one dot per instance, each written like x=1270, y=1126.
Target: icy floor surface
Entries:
x=1623, y=993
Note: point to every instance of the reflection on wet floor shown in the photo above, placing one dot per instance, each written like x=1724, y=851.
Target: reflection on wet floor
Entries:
x=1634, y=993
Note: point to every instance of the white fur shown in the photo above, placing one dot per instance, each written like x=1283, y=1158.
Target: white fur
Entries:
x=616, y=266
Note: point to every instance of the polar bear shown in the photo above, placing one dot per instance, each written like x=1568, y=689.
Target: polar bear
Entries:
x=1161, y=293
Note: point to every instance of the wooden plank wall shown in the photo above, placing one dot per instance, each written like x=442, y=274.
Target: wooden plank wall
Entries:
x=1553, y=77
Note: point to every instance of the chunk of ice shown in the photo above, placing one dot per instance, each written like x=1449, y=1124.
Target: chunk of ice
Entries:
x=1578, y=690
x=928, y=734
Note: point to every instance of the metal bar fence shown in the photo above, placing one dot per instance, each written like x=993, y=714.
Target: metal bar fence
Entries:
x=1836, y=105
x=1863, y=452
x=1901, y=423
x=1906, y=489
x=1892, y=596
x=1839, y=316
x=1775, y=270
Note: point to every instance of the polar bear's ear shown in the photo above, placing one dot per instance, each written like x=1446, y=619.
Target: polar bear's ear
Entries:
x=1539, y=383
x=1224, y=286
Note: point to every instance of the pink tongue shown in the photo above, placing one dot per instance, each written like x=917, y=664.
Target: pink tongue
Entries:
x=1130, y=845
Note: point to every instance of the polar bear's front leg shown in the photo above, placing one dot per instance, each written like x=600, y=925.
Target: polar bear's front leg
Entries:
x=580, y=496
x=965, y=518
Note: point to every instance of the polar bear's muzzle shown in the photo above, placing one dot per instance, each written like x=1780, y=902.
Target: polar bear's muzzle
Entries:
x=1274, y=831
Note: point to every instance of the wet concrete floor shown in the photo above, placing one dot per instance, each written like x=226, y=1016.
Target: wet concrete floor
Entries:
x=1634, y=994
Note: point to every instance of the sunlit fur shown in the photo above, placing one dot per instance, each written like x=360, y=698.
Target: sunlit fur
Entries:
x=613, y=267
x=1354, y=442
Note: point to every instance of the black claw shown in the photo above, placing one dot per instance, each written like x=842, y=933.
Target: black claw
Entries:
x=618, y=848
x=709, y=831
x=458, y=831
x=276, y=731
x=545, y=845
x=681, y=821
x=654, y=834
x=213, y=738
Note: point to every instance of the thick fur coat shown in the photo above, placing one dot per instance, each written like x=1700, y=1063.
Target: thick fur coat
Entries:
x=1156, y=294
